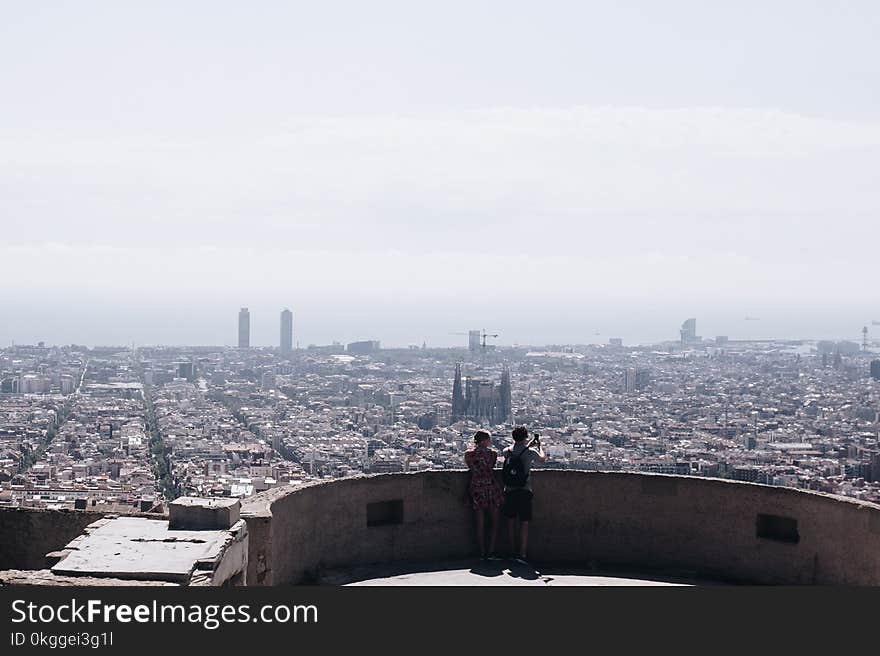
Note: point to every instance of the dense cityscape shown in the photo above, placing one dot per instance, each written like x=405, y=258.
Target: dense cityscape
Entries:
x=129, y=428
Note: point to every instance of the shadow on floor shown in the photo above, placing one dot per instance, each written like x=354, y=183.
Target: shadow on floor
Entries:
x=475, y=572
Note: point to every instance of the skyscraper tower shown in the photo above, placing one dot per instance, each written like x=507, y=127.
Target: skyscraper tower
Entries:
x=244, y=328
x=689, y=332
x=505, y=406
x=474, y=340
x=458, y=402
x=286, y=331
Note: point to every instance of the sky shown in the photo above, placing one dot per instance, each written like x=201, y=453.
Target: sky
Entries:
x=555, y=172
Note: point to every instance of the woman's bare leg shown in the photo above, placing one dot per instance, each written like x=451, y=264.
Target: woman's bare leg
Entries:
x=481, y=531
x=496, y=518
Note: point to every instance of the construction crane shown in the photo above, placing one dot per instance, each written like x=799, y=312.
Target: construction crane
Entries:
x=483, y=336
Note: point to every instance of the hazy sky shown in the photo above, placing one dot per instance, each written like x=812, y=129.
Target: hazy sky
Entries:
x=401, y=171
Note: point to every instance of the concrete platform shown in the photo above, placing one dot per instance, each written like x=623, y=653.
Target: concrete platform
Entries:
x=136, y=548
x=497, y=573
x=45, y=577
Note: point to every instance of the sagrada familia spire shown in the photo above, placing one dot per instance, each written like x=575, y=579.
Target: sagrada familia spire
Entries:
x=459, y=406
x=482, y=400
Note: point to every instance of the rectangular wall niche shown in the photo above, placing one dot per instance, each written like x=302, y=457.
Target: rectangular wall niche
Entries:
x=781, y=529
x=385, y=513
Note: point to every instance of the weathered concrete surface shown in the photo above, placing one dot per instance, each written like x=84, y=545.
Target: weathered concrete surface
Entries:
x=145, y=549
x=44, y=577
x=28, y=534
x=705, y=528
x=229, y=566
x=197, y=514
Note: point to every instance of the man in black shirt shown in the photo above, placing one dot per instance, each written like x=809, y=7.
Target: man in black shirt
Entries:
x=518, y=486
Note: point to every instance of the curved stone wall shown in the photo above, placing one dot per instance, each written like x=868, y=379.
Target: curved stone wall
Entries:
x=28, y=534
x=706, y=528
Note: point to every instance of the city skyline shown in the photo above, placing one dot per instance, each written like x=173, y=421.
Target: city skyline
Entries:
x=633, y=325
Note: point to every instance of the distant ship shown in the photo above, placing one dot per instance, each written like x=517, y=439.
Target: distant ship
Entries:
x=875, y=323
x=752, y=319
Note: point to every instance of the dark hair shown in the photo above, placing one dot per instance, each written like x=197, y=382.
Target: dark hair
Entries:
x=520, y=433
x=479, y=436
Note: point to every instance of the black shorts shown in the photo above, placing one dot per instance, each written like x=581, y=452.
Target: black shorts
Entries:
x=518, y=504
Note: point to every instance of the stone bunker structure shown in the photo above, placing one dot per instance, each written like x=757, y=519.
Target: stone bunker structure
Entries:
x=203, y=542
x=652, y=524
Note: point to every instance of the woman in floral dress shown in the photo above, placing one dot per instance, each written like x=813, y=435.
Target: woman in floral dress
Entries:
x=485, y=490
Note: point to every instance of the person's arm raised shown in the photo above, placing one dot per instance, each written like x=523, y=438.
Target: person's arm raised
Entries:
x=540, y=456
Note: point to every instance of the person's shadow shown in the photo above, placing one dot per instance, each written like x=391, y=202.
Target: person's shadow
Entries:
x=488, y=568
x=521, y=571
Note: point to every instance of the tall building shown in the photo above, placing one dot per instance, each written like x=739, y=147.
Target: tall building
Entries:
x=505, y=405
x=474, y=340
x=458, y=402
x=286, y=331
x=629, y=380
x=635, y=379
x=244, y=328
x=825, y=347
x=186, y=370
x=363, y=348
x=875, y=369
x=689, y=332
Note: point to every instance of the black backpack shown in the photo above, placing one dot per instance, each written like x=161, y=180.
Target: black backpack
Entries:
x=513, y=473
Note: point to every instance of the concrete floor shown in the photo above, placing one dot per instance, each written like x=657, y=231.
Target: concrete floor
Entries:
x=494, y=573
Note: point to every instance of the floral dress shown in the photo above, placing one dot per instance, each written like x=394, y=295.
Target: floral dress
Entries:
x=486, y=493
